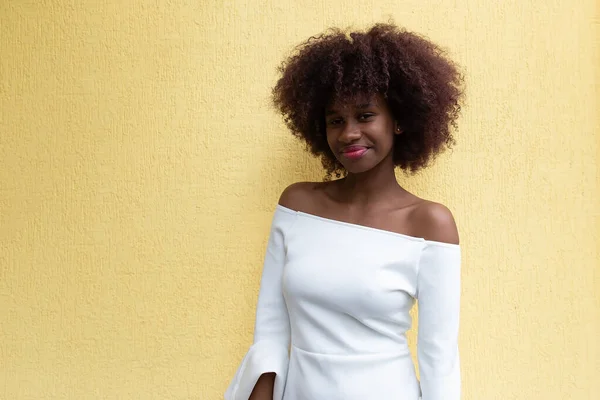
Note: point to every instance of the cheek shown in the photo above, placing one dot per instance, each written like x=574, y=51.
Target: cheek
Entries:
x=385, y=136
x=329, y=139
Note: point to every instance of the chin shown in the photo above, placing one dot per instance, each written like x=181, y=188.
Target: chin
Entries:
x=357, y=169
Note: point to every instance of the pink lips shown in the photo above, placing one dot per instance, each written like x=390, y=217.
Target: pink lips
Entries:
x=354, y=152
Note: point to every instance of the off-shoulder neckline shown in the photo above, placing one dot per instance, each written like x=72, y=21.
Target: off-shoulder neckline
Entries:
x=365, y=227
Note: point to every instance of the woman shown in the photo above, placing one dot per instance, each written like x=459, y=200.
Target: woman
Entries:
x=348, y=257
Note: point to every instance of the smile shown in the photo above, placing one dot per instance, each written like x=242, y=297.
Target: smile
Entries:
x=354, y=152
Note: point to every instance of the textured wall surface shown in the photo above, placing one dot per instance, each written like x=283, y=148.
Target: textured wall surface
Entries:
x=140, y=163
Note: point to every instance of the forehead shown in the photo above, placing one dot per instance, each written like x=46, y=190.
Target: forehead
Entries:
x=358, y=102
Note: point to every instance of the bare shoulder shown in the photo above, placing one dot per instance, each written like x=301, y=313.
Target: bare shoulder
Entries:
x=435, y=222
x=298, y=195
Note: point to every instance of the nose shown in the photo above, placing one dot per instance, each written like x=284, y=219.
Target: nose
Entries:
x=350, y=133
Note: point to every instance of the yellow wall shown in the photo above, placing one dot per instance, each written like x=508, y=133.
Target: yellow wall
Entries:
x=140, y=163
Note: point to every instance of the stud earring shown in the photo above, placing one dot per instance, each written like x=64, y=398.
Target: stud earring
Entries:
x=398, y=129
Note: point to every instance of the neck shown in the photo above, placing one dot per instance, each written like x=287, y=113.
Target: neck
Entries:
x=371, y=186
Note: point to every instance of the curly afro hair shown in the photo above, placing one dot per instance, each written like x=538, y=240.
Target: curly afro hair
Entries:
x=422, y=86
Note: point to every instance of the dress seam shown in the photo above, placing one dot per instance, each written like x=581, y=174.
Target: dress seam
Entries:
x=405, y=352
x=418, y=271
x=288, y=232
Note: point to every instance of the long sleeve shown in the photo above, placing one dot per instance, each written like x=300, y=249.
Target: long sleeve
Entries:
x=438, y=294
x=269, y=351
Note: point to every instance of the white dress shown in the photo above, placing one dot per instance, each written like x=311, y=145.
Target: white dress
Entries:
x=333, y=311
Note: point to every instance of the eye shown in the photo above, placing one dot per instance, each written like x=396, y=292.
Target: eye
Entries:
x=365, y=117
x=335, y=121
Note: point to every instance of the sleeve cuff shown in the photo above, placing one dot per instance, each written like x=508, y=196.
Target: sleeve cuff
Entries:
x=440, y=389
x=262, y=357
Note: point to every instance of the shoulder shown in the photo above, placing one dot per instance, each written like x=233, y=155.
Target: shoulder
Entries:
x=435, y=222
x=298, y=195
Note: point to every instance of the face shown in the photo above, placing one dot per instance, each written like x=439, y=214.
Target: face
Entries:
x=361, y=134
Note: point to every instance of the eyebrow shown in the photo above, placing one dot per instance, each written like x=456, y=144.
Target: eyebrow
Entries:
x=359, y=106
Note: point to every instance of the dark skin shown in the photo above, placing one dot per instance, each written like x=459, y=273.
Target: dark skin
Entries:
x=369, y=195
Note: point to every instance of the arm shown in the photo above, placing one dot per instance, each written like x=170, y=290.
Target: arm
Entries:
x=438, y=294
x=264, y=387
x=262, y=373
